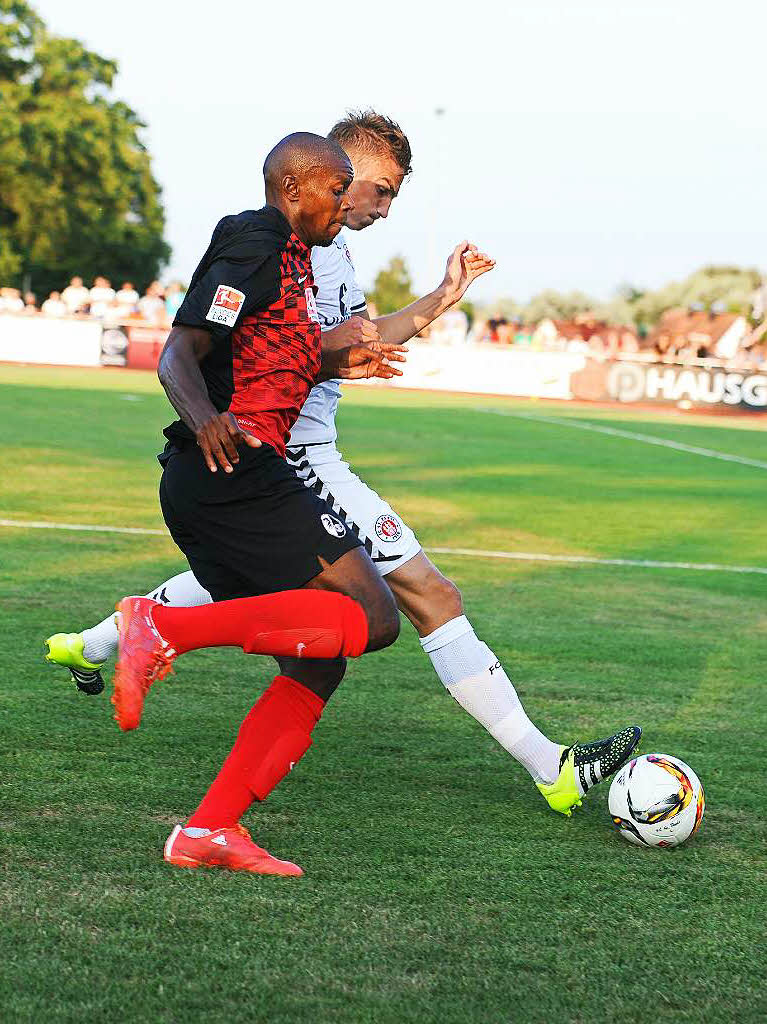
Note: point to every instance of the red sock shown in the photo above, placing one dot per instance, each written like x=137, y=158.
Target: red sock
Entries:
x=295, y=623
x=274, y=736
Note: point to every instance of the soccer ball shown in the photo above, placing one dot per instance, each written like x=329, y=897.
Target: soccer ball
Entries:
x=656, y=800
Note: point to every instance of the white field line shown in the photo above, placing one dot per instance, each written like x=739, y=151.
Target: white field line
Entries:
x=634, y=563
x=517, y=556
x=84, y=528
x=662, y=442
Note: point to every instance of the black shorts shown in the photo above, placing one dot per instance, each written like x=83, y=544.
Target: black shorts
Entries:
x=254, y=531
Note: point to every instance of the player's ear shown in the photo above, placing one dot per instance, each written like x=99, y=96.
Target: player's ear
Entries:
x=290, y=188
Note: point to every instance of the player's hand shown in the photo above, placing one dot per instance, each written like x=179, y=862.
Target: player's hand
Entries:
x=392, y=352
x=354, y=331
x=361, y=361
x=464, y=265
x=219, y=438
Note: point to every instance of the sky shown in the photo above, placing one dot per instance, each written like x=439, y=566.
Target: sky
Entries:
x=582, y=144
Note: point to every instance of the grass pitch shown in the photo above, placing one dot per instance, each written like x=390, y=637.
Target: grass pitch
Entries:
x=438, y=886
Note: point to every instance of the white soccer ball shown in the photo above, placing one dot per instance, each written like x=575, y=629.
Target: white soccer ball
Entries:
x=656, y=800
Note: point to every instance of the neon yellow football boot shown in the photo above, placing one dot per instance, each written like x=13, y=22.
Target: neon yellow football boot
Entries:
x=66, y=649
x=583, y=765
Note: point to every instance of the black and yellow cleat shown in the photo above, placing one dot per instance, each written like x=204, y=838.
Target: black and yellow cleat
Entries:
x=66, y=649
x=583, y=765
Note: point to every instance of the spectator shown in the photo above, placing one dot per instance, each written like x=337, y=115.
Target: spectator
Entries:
x=101, y=294
x=504, y=332
x=30, y=303
x=523, y=334
x=127, y=299
x=54, y=305
x=479, y=331
x=152, y=305
x=629, y=343
x=11, y=301
x=578, y=345
x=174, y=296
x=596, y=346
x=76, y=297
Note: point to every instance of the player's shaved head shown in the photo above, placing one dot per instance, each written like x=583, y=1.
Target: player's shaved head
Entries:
x=307, y=177
x=299, y=155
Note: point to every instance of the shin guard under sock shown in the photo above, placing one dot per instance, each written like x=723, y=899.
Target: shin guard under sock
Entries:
x=274, y=736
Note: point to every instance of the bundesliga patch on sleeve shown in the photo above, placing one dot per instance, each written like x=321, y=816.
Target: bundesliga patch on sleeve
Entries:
x=226, y=305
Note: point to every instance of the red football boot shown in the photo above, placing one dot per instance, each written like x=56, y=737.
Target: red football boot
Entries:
x=143, y=657
x=229, y=847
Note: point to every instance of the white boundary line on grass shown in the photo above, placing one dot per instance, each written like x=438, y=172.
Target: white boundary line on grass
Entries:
x=662, y=442
x=635, y=563
x=517, y=556
x=140, y=531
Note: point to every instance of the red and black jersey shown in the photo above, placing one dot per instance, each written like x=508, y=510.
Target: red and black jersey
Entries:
x=254, y=292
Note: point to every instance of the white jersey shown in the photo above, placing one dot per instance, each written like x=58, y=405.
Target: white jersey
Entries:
x=339, y=296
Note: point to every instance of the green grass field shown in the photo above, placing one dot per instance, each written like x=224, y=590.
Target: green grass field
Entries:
x=438, y=885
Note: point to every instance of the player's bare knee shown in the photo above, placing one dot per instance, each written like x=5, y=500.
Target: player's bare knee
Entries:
x=383, y=620
x=445, y=597
x=320, y=675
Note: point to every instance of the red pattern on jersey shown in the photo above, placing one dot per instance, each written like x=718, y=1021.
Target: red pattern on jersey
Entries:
x=276, y=354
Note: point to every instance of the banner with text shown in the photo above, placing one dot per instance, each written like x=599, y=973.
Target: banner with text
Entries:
x=431, y=366
x=486, y=369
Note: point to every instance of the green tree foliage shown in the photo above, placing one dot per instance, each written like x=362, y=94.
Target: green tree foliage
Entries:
x=77, y=195
x=558, y=305
x=393, y=287
x=732, y=288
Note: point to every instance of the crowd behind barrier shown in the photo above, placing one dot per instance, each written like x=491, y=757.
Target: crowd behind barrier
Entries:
x=692, y=337
x=156, y=307
x=692, y=358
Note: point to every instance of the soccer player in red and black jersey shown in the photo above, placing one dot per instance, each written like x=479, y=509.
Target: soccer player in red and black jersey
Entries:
x=288, y=577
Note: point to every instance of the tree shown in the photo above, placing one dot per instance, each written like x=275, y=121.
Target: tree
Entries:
x=393, y=287
x=557, y=305
x=77, y=194
x=734, y=287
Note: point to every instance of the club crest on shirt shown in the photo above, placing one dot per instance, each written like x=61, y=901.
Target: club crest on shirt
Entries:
x=388, y=528
x=226, y=305
x=348, y=255
x=334, y=526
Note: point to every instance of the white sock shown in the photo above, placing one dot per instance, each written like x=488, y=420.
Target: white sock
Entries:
x=182, y=591
x=474, y=676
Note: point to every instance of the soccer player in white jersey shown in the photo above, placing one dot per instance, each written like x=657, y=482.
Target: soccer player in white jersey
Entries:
x=471, y=672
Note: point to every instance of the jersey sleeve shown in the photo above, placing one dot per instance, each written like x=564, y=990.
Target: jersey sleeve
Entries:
x=228, y=290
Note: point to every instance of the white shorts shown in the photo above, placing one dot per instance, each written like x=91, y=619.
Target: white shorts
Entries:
x=388, y=541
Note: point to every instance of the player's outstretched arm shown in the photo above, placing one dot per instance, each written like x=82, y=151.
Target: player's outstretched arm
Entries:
x=356, y=362
x=218, y=434
x=464, y=265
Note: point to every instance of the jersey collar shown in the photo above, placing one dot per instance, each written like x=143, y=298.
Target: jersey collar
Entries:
x=278, y=220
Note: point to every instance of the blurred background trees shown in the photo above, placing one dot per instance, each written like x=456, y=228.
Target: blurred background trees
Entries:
x=727, y=289
x=392, y=288
x=77, y=194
